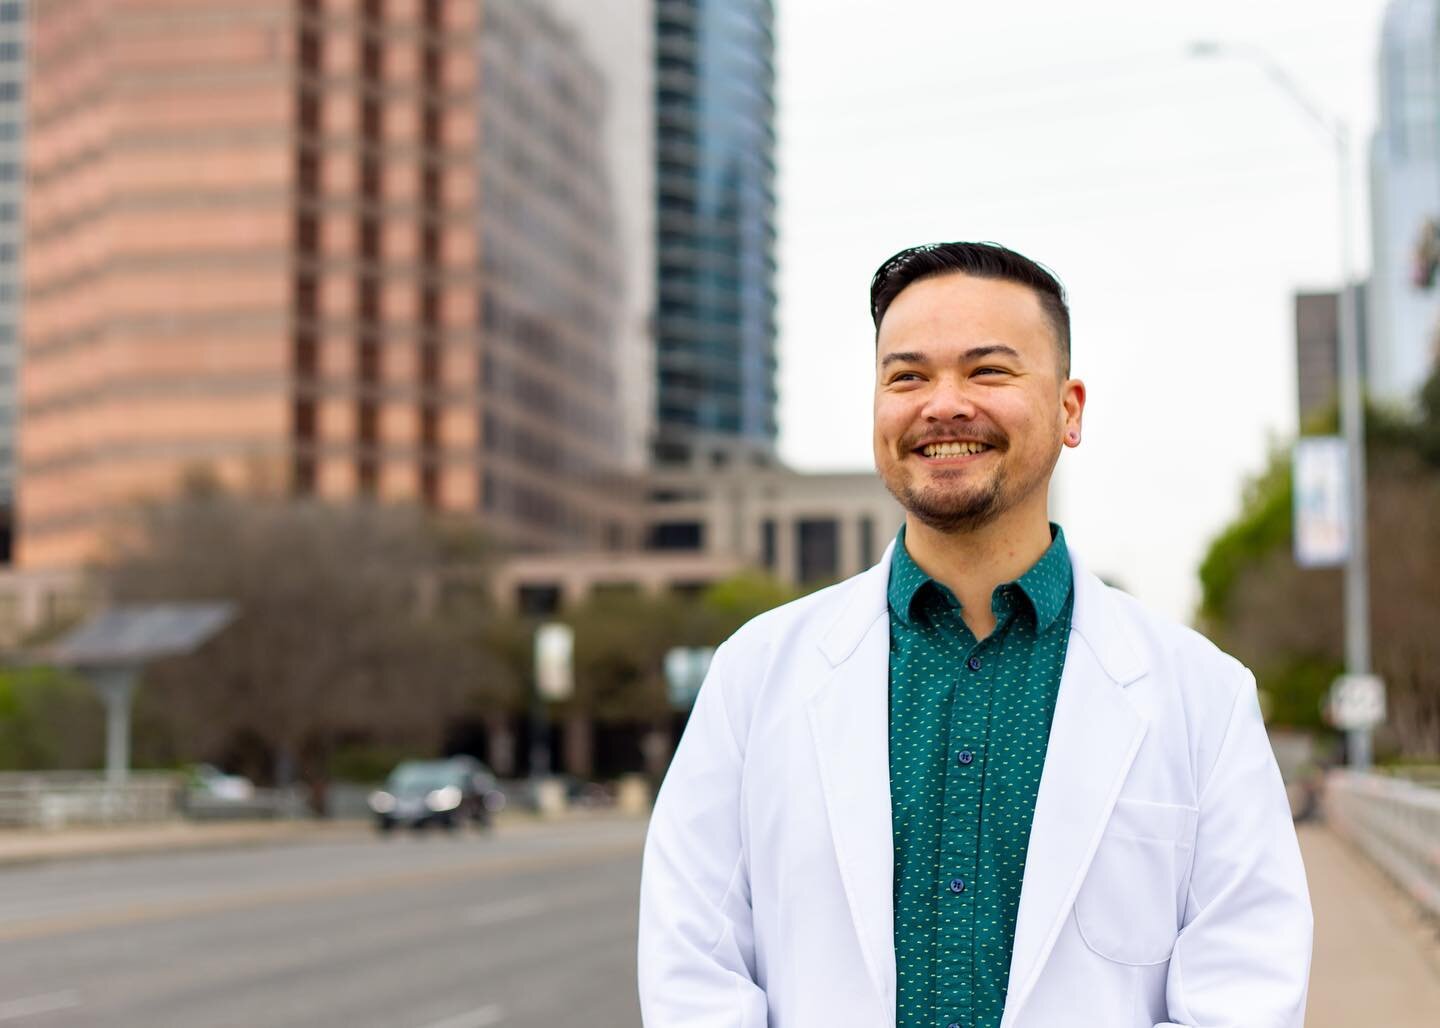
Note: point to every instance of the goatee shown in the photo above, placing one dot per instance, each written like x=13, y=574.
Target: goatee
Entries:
x=950, y=513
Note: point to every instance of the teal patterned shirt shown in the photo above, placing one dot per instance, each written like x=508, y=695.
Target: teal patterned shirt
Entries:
x=969, y=724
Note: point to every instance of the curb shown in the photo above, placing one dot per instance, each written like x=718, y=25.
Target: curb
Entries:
x=23, y=847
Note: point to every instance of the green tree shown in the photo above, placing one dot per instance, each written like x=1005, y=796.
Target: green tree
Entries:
x=49, y=721
x=1286, y=622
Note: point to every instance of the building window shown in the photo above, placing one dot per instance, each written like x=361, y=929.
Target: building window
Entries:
x=538, y=600
x=767, y=544
x=867, y=542
x=12, y=10
x=818, y=544
x=676, y=535
x=305, y=419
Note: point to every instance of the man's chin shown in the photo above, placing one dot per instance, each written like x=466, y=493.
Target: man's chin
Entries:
x=948, y=512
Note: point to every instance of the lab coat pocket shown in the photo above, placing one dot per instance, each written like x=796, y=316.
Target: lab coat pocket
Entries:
x=1128, y=909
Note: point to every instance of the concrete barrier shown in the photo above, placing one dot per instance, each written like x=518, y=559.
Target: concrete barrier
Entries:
x=1396, y=822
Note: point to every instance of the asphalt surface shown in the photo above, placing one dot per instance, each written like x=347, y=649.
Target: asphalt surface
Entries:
x=529, y=927
x=532, y=926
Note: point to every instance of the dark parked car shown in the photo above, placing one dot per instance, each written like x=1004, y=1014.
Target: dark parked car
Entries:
x=440, y=792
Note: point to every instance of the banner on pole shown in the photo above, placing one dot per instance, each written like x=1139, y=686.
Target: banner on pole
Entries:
x=685, y=669
x=1322, y=519
x=554, y=661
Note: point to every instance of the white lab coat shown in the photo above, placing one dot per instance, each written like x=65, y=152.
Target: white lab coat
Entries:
x=1163, y=882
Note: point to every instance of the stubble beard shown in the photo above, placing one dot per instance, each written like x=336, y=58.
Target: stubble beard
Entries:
x=964, y=509
x=950, y=511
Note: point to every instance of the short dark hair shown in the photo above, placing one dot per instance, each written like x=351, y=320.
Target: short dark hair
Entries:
x=982, y=260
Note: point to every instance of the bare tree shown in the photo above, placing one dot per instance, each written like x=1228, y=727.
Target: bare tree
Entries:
x=344, y=628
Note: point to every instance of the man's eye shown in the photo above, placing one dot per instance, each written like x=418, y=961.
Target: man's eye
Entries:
x=990, y=371
x=906, y=376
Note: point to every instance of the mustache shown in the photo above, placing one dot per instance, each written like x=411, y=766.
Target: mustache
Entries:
x=979, y=433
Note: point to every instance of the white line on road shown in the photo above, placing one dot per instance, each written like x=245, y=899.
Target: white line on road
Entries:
x=506, y=910
x=32, y=1005
x=478, y=1018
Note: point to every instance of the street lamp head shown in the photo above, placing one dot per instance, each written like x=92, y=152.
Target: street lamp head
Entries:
x=1205, y=48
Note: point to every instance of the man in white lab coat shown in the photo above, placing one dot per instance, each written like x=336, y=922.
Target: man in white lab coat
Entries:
x=973, y=786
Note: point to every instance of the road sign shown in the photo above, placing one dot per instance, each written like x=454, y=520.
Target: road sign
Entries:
x=1322, y=521
x=554, y=661
x=1357, y=702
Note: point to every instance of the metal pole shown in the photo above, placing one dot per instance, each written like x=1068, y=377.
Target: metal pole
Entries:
x=116, y=688
x=539, y=735
x=1352, y=410
x=1352, y=426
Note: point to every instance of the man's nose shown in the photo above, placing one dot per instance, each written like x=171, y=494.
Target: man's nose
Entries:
x=949, y=399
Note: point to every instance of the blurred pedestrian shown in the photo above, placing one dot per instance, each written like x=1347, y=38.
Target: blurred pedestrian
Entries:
x=974, y=785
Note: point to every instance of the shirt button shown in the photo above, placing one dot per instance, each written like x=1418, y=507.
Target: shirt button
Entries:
x=953, y=1024
x=973, y=663
x=957, y=885
x=964, y=757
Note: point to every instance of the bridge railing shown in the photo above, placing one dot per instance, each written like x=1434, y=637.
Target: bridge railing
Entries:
x=57, y=799
x=1396, y=822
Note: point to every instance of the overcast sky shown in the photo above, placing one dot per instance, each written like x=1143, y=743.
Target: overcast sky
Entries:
x=1181, y=201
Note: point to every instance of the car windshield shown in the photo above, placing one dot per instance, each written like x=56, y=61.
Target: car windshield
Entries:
x=422, y=777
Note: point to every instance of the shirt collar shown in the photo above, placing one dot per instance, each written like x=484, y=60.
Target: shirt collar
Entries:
x=1046, y=585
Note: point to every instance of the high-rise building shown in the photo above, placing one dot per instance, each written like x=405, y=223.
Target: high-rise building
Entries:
x=618, y=41
x=1404, y=193
x=12, y=178
x=554, y=287
x=715, y=314
x=251, y=247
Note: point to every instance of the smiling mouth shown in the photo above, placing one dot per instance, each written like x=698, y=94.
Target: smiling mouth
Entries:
x=965, y=448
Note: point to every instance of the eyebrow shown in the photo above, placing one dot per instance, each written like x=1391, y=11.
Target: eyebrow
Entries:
x=974, y=353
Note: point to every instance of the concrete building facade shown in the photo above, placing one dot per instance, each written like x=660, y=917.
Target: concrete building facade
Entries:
x=553, y=292
x=703, y=526
x=618, y=41
x=251, y=248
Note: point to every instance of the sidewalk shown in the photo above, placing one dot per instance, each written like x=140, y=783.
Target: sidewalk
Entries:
x=1377, y=960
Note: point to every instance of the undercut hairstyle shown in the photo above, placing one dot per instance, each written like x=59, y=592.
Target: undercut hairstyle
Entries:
x=981, y=260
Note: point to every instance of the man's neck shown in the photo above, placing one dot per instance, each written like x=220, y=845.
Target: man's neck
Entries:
x=971, y=564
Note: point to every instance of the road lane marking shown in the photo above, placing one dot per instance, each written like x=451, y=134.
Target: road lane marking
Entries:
x=43, y=1004
x=507, y=910
x=478, y=1018
x=206, y=905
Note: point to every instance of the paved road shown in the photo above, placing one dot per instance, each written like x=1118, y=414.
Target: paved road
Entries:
x=533, y=927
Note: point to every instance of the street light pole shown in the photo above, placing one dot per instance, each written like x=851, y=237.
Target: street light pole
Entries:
x=1352, y=410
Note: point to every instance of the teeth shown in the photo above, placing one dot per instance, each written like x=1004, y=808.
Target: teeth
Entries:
x=953, y=449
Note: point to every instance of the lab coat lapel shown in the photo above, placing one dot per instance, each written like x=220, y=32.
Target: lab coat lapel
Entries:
x=1094, y=737
x=849, y=717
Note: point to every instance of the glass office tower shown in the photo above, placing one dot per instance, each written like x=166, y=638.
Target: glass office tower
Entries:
x=715, y=312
